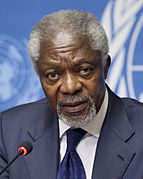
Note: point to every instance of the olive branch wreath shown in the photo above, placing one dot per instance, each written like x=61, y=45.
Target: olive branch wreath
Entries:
x=118, y=19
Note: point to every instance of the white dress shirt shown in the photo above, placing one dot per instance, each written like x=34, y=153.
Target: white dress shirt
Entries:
x=87, y=146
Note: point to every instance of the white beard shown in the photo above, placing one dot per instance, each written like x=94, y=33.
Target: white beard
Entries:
x=80, y=121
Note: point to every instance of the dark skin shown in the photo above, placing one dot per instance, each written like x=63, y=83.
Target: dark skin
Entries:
x=68, y=66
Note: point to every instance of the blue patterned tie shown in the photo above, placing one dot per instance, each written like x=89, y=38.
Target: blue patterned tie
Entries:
x=71, y=166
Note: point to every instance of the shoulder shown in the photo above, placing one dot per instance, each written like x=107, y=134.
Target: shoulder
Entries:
x=134, y=111
x=132, y=108
x=28, y=106
x=33, y=106
x=132, y=105
x=26, y=112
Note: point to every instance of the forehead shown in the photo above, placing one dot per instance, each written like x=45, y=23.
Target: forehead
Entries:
x=65, y=44
x=63, y=38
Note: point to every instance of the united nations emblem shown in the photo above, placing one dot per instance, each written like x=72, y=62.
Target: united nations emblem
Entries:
x=123, y=23
x=18, y=82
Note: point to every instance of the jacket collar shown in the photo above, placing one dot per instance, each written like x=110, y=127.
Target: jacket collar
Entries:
x=42, y=162
x=113, y=155
x=112, y=149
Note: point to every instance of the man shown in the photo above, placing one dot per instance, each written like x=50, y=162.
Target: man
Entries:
x=69, y=50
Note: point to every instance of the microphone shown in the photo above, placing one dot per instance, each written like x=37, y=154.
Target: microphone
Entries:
x=23, y=149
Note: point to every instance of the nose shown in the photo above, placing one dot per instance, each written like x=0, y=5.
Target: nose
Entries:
x=70, y=85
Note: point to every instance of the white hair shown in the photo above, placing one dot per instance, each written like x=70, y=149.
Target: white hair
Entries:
x=80, y=22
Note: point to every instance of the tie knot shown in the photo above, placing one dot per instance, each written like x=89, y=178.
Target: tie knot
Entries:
x=73, y=138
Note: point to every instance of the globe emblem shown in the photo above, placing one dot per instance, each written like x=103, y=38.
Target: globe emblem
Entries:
x=123, y=21
x=135, y=62
x=17, y=77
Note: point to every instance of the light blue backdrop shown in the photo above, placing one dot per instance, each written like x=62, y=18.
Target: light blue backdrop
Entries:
x=123, y=22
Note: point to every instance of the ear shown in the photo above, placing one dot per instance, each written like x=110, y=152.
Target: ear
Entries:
x=107, y=65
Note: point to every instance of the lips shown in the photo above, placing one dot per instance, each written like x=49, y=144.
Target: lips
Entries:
x=74, y=109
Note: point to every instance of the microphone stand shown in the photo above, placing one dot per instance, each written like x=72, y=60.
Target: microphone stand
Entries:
x=19, y=153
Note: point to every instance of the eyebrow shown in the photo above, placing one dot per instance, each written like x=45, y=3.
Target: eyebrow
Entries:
x=51, y=65
x=55, y=63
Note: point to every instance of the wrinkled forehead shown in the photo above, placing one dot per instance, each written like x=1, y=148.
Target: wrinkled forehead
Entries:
x=63, y=40
x=65, y=35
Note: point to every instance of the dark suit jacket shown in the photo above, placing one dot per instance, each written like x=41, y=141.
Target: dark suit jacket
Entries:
x=119, y=150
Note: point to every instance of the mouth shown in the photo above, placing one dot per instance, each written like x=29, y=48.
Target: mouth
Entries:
x=74, y=109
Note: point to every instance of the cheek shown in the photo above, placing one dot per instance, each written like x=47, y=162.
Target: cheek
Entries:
x=51, y=94
x=97, y=83
x=95, y=88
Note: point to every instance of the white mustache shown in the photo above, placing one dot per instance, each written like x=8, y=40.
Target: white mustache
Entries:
x=73, y=99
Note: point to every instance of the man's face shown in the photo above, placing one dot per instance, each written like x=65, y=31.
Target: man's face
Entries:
x=72, y=77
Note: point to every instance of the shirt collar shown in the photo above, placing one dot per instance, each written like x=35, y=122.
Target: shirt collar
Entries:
x=94, y=126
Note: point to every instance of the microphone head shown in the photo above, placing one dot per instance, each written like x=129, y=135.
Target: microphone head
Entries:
x=25, y=148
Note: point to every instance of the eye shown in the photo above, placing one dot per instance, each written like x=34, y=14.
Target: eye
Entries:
x=52, y=76
x=85, y=71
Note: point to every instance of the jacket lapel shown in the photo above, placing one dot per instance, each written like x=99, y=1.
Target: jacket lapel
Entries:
x=113, y=154
x=43, y=160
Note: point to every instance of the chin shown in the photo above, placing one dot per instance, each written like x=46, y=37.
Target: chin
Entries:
x=78, y=121
x=75, y=123
x=78, y=115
